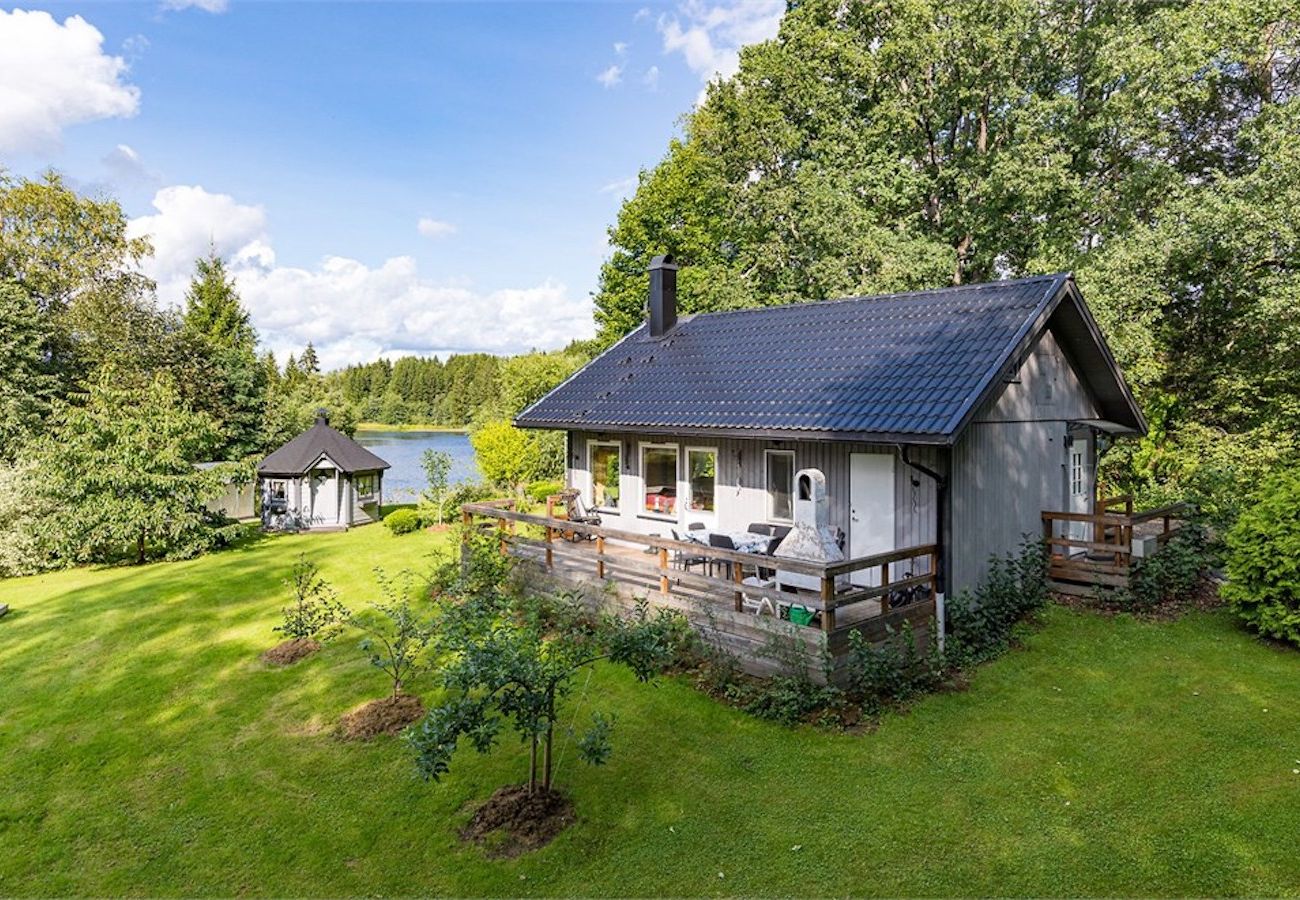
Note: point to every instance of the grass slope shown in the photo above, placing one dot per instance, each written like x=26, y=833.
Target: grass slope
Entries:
x=145, y=750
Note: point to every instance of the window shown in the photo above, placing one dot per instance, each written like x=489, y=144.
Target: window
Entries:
x=366, y=484
x=1077, y=481
x=659, y=479
x=277, y=490
x=702, y=478
x=780, y=485
x=604, y=461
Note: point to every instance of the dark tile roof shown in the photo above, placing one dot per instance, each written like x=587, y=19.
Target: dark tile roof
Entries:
x=298, y=455
x=902, y=366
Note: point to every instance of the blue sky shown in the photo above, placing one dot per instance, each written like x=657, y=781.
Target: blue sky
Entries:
x=386, y=178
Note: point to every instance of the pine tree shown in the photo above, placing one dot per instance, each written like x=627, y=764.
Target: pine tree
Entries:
x=309, y=363
x=213, y=308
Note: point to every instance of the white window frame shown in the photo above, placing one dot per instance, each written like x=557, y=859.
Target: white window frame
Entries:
x=371, y=478
x=591, y=474
x=1078, y=480
x=641, y=511
x=686, y=479
x=767, y=486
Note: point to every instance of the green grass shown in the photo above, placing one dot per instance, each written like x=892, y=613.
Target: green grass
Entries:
x=145, y=750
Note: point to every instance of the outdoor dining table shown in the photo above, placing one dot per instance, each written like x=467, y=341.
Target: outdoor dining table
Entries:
x=744, y=541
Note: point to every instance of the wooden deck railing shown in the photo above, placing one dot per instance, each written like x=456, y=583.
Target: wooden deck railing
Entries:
x=1104, y=556
x=611, y=553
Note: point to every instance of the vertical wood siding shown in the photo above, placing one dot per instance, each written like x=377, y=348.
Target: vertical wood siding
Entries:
x=1009, y=465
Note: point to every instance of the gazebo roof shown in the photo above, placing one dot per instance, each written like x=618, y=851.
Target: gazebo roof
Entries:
x=298, y=455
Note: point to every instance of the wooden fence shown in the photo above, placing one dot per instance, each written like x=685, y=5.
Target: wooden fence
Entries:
x=637, y=565
x=1095, y=550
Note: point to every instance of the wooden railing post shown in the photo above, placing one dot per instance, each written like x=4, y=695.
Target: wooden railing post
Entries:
x=663, y=569
x=550, y=552
x=828, y=603
x=884, y=584
x=600, y=555
x=738, y=575
x=501, y=536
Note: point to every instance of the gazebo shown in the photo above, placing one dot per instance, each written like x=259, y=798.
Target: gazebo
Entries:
x=322, y=480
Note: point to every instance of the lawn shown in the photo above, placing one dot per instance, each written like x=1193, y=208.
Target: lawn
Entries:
x=145, y=750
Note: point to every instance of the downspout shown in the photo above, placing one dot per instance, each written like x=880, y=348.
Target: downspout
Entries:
x=940, y=505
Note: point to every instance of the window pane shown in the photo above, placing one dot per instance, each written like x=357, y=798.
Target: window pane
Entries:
x=780, y=485
x=604, y=476
x=702, y=466
x=659, y=469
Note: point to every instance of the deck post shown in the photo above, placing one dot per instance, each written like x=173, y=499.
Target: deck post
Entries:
x=828, y=604
x=738, y=575
x=501, y=536
x=600, y=556
x=663, y=568
x=466, y=523
x=884, y=585
x=550, y=553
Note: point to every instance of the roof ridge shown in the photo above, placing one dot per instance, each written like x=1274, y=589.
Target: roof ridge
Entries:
x=897, y=295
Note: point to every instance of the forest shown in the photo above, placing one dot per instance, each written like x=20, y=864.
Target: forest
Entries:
x=1151, y=148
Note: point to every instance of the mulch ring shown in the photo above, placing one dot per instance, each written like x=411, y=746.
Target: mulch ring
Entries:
x=513, y=821
x=387, y=716
x=290, y=651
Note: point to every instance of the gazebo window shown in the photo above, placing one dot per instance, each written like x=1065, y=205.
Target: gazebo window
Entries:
x=367, y=484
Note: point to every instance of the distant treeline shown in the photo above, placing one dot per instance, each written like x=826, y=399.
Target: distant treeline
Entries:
x=466, y=389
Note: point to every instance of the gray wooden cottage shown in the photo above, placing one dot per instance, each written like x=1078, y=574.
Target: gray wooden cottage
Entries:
x=320, y=480
x=951, y=417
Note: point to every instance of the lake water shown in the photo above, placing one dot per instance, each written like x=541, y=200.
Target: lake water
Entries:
x=403, y=449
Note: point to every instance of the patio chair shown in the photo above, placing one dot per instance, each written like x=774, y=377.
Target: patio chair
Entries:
x=759, y=528
x=681, y=558
x=770, y=551
x=781, y=531
x=758, y=605
x=576, y=511
x=722, y=542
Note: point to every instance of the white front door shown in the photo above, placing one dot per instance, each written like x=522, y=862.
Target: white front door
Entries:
x=324, y=497
x=1078, y=476
x=871, y=510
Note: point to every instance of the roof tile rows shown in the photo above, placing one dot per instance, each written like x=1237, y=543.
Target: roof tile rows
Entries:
x=906, y=364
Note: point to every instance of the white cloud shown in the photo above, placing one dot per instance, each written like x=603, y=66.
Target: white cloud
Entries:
x=611, y=76
x=434, y=228
x=127, y=169
x=212, y=6
x=54, y=75
x=651, y=78
x=709, y=37
x=620, y=48
x=188, y=221
x=642, y=13
x=351, y=311
x=620, y=187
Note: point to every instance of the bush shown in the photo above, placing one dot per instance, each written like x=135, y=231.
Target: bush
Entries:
x=980, y=623
x=402, y=521
x=1171, y=572
x=469, y=492
x=892, y=672
x=316, y=610
x=538, y=491
x=1263, y=562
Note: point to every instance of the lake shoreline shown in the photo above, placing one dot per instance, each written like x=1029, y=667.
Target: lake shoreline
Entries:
x=441, y=429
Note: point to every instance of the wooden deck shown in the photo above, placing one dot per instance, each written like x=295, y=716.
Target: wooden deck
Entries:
x=623, y=567
x=1103, y=555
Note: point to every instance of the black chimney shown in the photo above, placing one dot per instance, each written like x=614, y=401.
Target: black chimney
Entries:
x=663, y=295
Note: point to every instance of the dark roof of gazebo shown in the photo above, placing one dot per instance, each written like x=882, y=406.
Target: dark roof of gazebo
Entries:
x=298, y=455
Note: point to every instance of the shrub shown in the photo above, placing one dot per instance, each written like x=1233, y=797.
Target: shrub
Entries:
x=396, y=635
x=892, y=672
x=316, y=609
x=538, y=491
x=1263, y=562
x=980, y=623
x=469, y=492
x=1171, y=572
x=402, y=521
